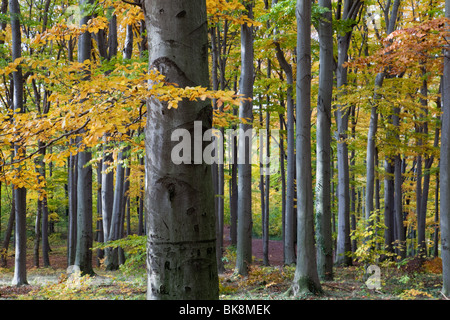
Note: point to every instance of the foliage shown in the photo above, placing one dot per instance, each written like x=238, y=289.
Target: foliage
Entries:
x=135, y=250
x=370, y=239
x=413, y=294
x=73, y=287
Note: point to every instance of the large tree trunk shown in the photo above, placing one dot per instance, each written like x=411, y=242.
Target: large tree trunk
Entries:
x=72, y=224
x=306, y=279
x=245, y=224
x=20, y=271
x=181, y=245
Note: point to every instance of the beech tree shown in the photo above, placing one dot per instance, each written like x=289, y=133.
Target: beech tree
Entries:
x=306, y=279
x=84, y=238
x=20, y=192
x=244, y=236
x=444, y=169
x=181, y=246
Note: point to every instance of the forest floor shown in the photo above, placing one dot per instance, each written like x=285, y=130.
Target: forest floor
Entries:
x=412, y=280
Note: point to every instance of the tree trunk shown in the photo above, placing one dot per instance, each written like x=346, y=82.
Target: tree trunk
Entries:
x=350, y=12
x=306, y=279
x=244, y=238
x=20, y=271
x=8, y=232
x=83, y=255
x=37, y=233
x=112, y=257
x=289, y=223
x=179, y=205
x=72, y=225
x=323, y=145
x=445, y=169
x=218, y=172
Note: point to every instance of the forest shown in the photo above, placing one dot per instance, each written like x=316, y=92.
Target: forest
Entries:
x=224, y=150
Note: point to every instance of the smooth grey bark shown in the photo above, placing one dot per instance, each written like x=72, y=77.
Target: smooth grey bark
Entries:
x=37, y=234
x=445, y=169
x=371, y=146
x=218, y=168
x=283, y=179
x=179, y=202
x=266, y=219
x=20, y=271
x=117, y=217
x=83, y=254
x=350, y=11
x=245, y=223
x=72, y=224
x=373, y=123
x=289, y=221
x=42, y=212
x=8, y=232
x=306, y=279
x=428, y=162
x=323, y=146
x=389, y=194
x=107, y=192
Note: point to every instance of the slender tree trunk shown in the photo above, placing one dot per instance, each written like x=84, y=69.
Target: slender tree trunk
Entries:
x=72, y=227
x=343, y=245
x=323, y=168
x=112, y=257
x=445, y=168
x=8, y=233
x=37, y=233
x=289, y=223
x=218, y=173
x=20, y=271
x=306, y=279
x=83, y=255
x=283, y=181
x=245, y=224
x=181, y=245
x=371, y=146
x=389, y=168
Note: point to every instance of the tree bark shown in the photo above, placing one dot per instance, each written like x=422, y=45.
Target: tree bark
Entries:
x=245, y=223
x=72, y=224
x=289, y=221
x=20, y=271
x=83, y=255
x=179, y=205
x=306, y=279
x=8, y=232
x=323, y=145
